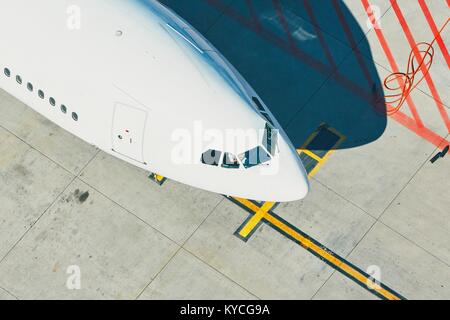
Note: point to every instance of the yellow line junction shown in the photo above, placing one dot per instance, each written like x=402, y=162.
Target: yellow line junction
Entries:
x=258, y=215
x=263, y=212
x=157, y=178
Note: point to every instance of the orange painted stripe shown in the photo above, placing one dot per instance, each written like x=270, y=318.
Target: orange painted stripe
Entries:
x=435, y=31
x=428, y=79
x=393, y=64
x=346, y=83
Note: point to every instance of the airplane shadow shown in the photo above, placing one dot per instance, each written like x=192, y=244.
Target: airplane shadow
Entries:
x=298, y=56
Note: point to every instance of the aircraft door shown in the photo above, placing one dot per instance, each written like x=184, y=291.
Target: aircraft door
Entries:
x=128, y=131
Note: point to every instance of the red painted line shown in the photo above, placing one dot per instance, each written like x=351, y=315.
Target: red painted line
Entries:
x=394, y=66
x=309, y=60
x=352, y=42
x=400, y=117
x=319, y=33
x=253, y=14
x=423, y=132
x=299, y=54
x=321, y=68
x=423, y=67
x=433, y=27
x=279, y=10
x=357, y=53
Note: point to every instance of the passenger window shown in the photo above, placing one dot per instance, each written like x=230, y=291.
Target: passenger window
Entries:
x=7, y=72
x=211, y=157
x=19, y=79
x=74, y=116
x=230, y=161
x=41, y=94
x=52, y=101
x=30, y=87
x=63, y=108
x=254, y=157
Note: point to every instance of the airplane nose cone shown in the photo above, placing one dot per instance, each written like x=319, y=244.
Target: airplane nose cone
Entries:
x=286, y=175
x=291, y=177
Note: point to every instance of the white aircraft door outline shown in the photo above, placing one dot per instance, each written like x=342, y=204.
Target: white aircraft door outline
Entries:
x=128, y=130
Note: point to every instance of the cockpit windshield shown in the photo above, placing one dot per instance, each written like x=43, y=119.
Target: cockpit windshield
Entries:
x=230, y=161
x=254, y=157
x=270, y=139
x=251, y=158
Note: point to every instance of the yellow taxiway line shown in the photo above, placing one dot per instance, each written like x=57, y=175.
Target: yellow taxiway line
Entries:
x=325, y=254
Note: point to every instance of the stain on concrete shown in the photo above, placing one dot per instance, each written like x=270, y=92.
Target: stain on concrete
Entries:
x=81, y=196
x=55, y=267
x=21, y=170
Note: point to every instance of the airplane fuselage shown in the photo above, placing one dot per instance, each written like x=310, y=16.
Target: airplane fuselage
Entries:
x=133, y=79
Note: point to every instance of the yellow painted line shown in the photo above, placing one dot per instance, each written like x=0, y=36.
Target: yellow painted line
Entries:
x=248, y=204
x=320, y=161
x=262, y=213
x=305, y=242
x=157, y=178
x=310, y=245
x=310, y=153
x=256, y=218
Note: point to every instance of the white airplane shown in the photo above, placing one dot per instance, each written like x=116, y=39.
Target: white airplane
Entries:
x=129, y=76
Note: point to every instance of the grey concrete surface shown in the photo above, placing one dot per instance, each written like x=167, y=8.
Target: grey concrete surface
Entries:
x=404, y=266
x=30, y=183
x=339, y=287
x=132, y=189
x=281, y=272
x=341, y=228
x=377, y=172
x=118, y=254
x=5, y=295
x=59, y=145
x=379, y=203
x=421, y=212
x=187, y=277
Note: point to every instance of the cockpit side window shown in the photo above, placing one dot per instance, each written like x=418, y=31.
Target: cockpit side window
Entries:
x=230, y=161
x=261, y=109
x=211, y=157
x=270, y=139
x=254, y=157
x=258, y=104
